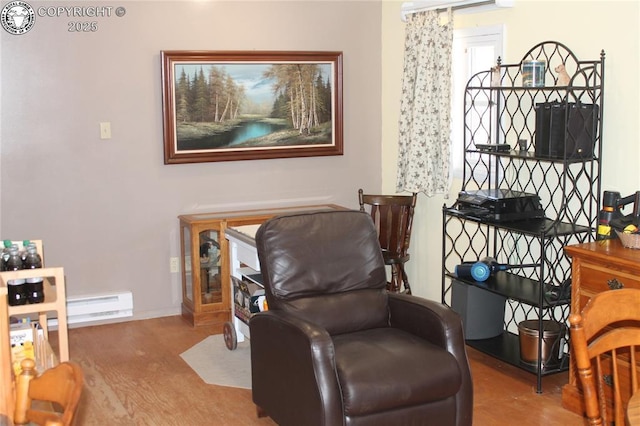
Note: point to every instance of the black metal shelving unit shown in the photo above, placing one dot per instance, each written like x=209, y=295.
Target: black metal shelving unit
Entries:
x=500, y=109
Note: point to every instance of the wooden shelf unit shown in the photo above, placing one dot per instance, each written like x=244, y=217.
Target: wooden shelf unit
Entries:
x=244, y=264
x=561, y=172
x=6, y=372
x=55, y=300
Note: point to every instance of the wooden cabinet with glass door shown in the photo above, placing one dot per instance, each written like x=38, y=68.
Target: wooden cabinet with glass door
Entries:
x=202, y=265
x=206, y=280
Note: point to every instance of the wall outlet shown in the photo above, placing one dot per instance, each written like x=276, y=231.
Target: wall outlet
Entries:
x=174, y=265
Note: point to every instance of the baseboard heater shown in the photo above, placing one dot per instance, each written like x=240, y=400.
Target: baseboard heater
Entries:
x=97, y=307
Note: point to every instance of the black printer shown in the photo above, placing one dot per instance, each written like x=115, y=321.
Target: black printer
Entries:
x=499, y=205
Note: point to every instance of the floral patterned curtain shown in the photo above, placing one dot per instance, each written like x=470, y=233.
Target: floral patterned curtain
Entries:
x=425, y=108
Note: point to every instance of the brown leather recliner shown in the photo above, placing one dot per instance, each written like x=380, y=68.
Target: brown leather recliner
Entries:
x=335, y=348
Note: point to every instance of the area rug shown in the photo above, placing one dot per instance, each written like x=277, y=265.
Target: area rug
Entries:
x=217, y=365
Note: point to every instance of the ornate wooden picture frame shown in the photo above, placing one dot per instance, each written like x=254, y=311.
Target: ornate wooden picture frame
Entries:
x=236, y=105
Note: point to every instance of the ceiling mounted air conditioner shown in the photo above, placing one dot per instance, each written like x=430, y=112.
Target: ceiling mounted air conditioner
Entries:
x=409, y=7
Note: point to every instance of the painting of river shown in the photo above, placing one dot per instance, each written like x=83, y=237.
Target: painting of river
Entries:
x=231, y=106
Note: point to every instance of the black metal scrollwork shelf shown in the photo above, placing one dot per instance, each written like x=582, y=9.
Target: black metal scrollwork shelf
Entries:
x=558, y=158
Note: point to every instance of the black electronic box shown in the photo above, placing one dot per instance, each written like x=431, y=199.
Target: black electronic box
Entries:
x=499, y=205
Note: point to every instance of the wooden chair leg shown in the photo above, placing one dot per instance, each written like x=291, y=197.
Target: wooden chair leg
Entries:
x=398, y=280
x=395, y=284
x=405, y=280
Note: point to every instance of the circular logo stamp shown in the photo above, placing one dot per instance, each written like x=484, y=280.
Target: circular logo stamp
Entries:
x=17, y=17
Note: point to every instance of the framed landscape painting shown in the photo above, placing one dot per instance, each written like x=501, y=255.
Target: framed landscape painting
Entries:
x=236, y=105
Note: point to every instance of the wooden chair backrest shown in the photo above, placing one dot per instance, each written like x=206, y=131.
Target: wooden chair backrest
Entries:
x=60, y=386
x=605, y=339
x=393, y=218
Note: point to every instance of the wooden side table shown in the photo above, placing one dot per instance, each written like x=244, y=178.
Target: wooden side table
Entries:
x=204, y=249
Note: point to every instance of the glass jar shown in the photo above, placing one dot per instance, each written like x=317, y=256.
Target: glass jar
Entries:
x=533, y=73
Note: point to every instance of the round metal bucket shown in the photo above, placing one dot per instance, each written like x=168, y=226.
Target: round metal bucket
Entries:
x=528, y=335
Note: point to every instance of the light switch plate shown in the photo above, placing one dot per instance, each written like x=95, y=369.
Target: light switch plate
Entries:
x=105, y=130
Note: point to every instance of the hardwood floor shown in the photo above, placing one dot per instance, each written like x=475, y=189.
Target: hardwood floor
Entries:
x=135, y=376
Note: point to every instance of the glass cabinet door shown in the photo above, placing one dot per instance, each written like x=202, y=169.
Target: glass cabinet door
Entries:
x=187, y=290
x=203, y=251
x=210, y=277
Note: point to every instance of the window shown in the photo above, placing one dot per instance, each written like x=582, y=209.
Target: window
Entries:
x=474, y=50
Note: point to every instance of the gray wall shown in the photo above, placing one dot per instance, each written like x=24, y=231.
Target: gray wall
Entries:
x=107, y=209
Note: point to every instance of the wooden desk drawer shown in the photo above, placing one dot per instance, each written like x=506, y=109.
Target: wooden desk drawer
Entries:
x=595, y=278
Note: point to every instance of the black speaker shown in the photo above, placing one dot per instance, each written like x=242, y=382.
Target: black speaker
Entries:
x=565, y=129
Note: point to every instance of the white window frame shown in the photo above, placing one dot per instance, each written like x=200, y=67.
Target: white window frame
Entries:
x=463, y=67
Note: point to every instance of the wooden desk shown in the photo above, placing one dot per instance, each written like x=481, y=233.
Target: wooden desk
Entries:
x=633, y=410
x=596, y=267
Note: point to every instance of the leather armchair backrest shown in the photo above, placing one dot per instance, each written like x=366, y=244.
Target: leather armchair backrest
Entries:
x=325, y=267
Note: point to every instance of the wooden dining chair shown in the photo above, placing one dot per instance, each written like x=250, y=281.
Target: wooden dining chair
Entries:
x=393, y=218
x=605, y=338
x=49, y=399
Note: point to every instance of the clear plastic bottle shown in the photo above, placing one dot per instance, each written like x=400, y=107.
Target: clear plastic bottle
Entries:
x=16, y=289
x=14, y=263
x=5, y=255
x=23, y=252
x=35, y=287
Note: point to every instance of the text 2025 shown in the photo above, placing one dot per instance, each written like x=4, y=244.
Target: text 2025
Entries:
x=82, y=27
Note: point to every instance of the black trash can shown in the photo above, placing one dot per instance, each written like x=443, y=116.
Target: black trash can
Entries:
x=482, y=311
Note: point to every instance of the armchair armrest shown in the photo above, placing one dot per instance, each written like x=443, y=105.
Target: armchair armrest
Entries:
x=285, y=350
x=428, y=319
x=442, y=326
